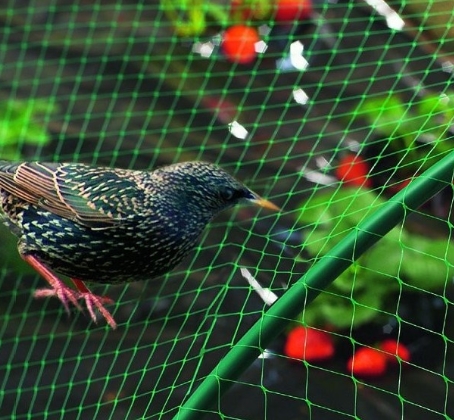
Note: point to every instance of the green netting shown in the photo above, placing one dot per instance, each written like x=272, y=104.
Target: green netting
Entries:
x=342, y=117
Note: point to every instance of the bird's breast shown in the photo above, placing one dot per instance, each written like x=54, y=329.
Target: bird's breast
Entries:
x=131, y=251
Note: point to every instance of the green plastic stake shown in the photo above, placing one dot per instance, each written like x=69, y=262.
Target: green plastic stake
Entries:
x=318, y=277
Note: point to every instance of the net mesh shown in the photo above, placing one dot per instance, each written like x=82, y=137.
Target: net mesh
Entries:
x=333, y=117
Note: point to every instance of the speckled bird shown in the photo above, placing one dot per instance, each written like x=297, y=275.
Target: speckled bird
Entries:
x=108, y=225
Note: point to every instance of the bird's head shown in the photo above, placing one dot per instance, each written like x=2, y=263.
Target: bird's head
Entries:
x=209, y=188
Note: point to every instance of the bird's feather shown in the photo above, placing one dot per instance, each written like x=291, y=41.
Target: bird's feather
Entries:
x=73, y=191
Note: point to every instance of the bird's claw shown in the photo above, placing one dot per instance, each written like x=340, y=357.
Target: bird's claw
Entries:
x=65, y=294
x=93, y=301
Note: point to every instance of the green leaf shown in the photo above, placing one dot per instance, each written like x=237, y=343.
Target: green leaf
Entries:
x=342, y=311
x=357, y=296
x=20, y=122
x=383, y=113
x=346, y=203
x=437, y=109
x=427, y=263
x=330, y=216
x=385, y=257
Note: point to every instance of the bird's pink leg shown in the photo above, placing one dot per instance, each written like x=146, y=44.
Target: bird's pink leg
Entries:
x=59, y=289
x=67, y=294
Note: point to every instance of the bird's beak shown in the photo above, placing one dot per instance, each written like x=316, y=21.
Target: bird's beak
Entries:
x=259, y=201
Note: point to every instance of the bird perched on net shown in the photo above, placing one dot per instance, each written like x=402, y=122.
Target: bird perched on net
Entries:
x=107, y=225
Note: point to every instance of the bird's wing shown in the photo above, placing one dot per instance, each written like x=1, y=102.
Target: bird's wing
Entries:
x=96, y=197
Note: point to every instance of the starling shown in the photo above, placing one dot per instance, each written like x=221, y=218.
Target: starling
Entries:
x=108, y=225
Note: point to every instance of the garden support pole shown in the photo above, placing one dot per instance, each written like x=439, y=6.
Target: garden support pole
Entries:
x=317, y=278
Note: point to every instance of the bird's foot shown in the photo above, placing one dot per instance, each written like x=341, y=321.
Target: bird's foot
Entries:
x=66, y=294
x=93, y=301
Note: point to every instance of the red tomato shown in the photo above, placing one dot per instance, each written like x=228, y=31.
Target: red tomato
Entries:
x=353, y=170
x=367, y=362
x=308, y=344
x=395, y=349
x=291, y=10
x=238, y=43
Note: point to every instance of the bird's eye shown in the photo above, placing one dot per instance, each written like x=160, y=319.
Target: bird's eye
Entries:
x=228, y=193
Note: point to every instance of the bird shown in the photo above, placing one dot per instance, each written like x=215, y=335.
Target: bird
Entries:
x=97, y=224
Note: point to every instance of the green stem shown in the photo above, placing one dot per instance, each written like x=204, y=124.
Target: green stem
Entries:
x=329, y=267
